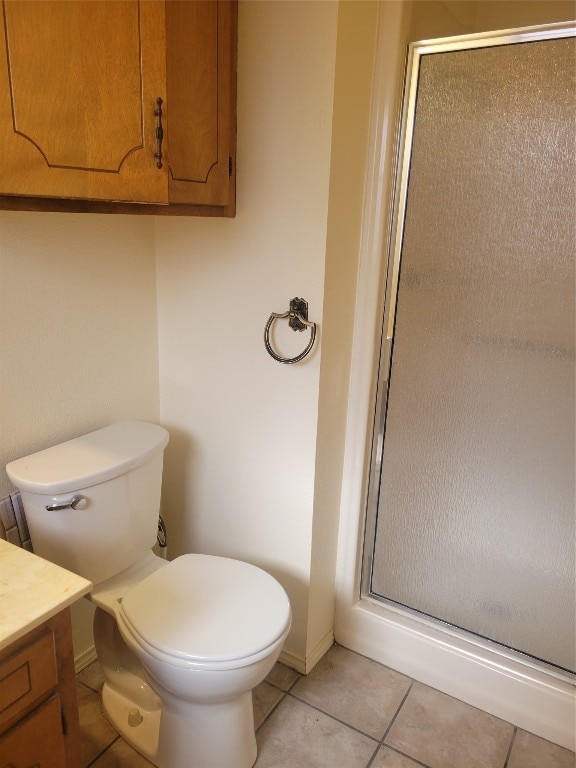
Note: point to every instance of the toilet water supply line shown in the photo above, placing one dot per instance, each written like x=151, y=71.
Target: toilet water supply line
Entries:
x=298, y=321
x=162, y=536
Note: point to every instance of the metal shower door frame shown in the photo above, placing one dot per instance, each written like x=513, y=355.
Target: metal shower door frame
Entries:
x=416, y=51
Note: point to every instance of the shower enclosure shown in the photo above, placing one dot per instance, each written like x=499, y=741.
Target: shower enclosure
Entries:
x=471, y=501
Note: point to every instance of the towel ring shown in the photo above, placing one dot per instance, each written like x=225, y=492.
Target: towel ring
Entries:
x=298, y=321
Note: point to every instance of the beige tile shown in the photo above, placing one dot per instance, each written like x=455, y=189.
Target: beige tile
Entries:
x=282, y=676
x=354, y=689
x=529, y=751
x=91, y=676
x=121, y=755
x=96, y=733
x=387, y=758
x=264, y=697
x=444, y=732
x=298, y=736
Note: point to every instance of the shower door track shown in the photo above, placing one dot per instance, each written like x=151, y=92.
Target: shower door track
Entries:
x=481, y=642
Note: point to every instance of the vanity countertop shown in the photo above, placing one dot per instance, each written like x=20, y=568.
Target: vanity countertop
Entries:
x=32, y=590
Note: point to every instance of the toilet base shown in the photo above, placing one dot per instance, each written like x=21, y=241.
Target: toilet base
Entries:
x=187, y=735
x=144, y=736
x=174, y=732
x=207, y=735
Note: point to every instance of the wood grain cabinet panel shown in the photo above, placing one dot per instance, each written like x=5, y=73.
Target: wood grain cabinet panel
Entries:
x=199, y=111
x=37, y=741
x=26, y=677
x=79, y=83
x=39, y=723
x=78, y=93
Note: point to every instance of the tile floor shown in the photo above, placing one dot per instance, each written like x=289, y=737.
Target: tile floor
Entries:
x=350, y=712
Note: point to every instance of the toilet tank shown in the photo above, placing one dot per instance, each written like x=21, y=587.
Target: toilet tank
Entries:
x=118, y=471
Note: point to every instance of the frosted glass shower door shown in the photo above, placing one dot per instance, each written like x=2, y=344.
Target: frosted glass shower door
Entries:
x=474, y=482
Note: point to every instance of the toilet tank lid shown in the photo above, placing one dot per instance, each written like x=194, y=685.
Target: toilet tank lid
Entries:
x=89, y=459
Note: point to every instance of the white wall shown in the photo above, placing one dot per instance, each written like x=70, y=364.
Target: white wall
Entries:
x=357, y=28
x=254, y=465
x=78, y=339
x=78, y=343
x=240, y=468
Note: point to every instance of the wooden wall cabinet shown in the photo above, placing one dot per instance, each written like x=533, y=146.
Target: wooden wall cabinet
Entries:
x=80, y=84
x=38, y=707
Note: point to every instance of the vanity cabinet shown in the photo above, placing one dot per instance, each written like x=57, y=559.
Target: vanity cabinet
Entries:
x=38, y=708
x=126, y=106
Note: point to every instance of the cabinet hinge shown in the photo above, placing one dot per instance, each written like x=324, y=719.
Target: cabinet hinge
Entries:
x=230, y=169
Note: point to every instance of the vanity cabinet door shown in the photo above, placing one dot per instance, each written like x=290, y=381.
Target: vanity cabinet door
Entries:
x=78, y=87
x=37, y=740
x=26, y=677
x=39, y=723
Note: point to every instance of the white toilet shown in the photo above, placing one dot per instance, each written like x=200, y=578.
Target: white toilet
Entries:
x=181, y=644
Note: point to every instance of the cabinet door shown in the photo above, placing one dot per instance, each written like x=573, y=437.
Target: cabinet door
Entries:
x=37, y=741
x=78, y=87
x=26, y=677
x=200, y=104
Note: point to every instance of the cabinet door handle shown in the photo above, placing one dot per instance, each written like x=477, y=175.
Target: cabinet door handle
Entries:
x=159, y=132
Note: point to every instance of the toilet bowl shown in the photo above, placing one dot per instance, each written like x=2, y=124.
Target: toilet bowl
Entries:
x=184, y=661
x=181, y=644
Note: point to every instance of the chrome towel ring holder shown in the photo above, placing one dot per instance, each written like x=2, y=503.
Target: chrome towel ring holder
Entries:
x=298, y=321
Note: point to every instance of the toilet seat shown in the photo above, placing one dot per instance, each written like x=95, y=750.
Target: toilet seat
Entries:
x=206, y=612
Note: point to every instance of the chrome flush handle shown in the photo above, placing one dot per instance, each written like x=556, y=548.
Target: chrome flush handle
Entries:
x=76, y=502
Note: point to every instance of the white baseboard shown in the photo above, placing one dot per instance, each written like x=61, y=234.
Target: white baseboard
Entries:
x=293, y=660
x=314, y=656
x=84, y=659
x=305, y=665
x=519, y=693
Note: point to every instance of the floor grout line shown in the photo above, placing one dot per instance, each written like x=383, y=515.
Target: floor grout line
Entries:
x=102, y=752
x=333, y=717
x=391, y=723
x=274, y=708
x=279, y=688
x=406, y=755
x=374, y=756
x=512, y=740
